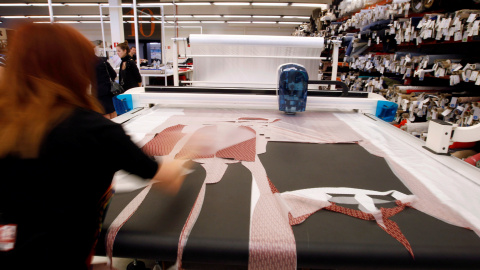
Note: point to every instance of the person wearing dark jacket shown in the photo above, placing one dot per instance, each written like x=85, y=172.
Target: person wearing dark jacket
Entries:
x=58, y=154
x=105, y=73
x=129, y=73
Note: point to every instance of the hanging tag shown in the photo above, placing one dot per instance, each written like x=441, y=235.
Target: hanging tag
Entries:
x=465, y=36
x=476, y=113
x=8, y=234
x=369, y=42
x=478, y=81
x=453, y=102
x=474, y=75
x=408, y=73
x=446, y=112
x=471, y=18
x=470, y=120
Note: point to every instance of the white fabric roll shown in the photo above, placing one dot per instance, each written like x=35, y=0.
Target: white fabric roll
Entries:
x=250, y=61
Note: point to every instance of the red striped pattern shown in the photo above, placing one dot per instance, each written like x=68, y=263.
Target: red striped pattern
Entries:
x=162, y=144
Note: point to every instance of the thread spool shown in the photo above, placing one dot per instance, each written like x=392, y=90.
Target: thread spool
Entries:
x=474, y=160
x=464, y=154
x=468, y=99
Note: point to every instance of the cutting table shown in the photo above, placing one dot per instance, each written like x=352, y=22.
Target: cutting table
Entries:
x=336, y=147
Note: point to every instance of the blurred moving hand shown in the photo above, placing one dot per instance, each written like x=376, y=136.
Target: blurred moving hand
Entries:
x=170, y=175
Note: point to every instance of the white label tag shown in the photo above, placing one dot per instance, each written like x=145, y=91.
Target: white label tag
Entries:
x=465, y=36
x=8, y=234
x=453, y=102
x=458, y=36
x=472, y=17
x=474, y=76
x=446, y=112
x=470, y=120
x=476, y=113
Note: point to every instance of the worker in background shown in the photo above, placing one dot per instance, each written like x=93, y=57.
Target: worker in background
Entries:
x=129, y=75
x=133, y=53
x=58, y=153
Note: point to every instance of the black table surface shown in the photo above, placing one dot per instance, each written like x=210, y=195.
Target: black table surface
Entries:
x=325, y=240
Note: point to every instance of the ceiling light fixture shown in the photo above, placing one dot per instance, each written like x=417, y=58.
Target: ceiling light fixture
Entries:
x=237, y=16
x=298, y=23
x=13, y=4
x=296, y=17
x=212, y=22
x=82, y=4
x=238, y=22
x=193, y=4
x=270, y=4
x=207, y=16
x=266, y=17
x=322, y=6
x=178, y=16
x=265, y=22
x=154, y=4
x=231, y=3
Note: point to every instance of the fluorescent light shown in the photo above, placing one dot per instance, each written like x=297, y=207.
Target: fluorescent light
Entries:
x=179, y=16
x=323, y=6
x=270, y=4
x=14, y=17
x=92, y=16
x=193, y=4
x=39, y=17
x=91, y=21
x=231, y=3
x=188, y=21
x=298, y=23
x=237, y=16
x=261, y=16
x=207, y=16
x=13, y=4
x=67, y=16
x=265, y=22
x=154, y=4
x=296, y=17
x=238, y=22
x=67, y=22
x=212, y=21
x=46, y=5
x=82, y=4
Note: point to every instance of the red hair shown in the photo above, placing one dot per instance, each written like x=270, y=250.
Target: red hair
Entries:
x=49, y=72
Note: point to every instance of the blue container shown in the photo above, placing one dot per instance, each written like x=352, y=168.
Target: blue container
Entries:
x=386, y=110
x=292, y=88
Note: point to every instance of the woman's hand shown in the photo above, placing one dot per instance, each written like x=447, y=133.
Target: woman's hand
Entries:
x=170, y=175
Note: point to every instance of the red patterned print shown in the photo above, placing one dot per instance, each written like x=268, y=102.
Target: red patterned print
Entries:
x=390, y=226
x=244, y=151
x=190, y=150
x=162, y=144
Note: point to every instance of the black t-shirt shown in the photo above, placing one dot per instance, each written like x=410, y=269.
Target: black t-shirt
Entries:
x=130, y=76
x=54, y=198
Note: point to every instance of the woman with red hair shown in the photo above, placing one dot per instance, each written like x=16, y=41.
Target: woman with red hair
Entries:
x=58, y=154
